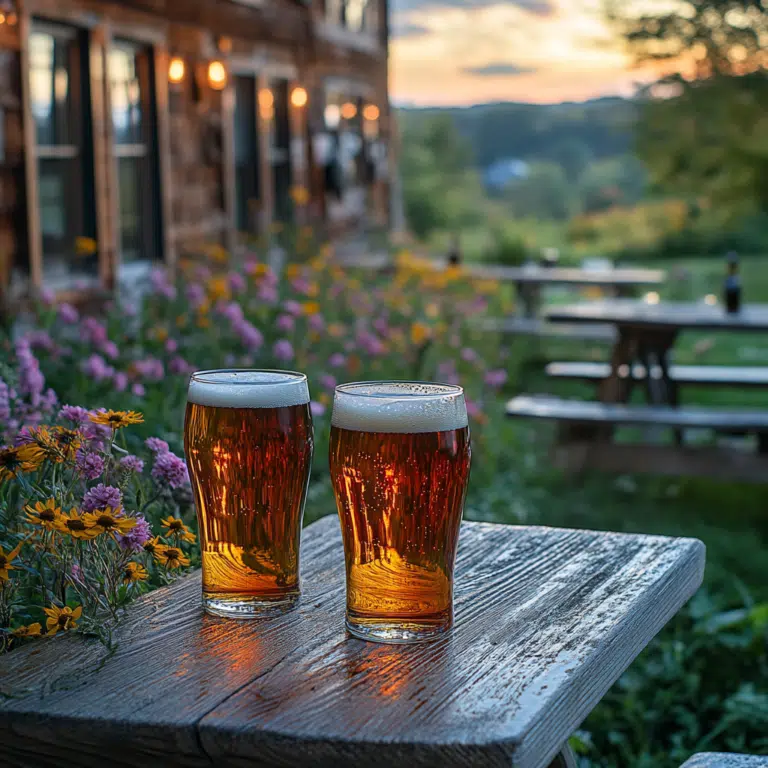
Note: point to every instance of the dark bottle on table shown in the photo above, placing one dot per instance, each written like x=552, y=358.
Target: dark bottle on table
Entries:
x=732, y=298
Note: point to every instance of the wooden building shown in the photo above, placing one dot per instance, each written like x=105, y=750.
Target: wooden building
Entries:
x=132, y=130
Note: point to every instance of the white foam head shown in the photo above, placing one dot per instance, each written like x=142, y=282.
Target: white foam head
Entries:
x=404, y=407
x=248, y=389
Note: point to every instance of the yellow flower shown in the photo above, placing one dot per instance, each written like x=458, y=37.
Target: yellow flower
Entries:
x=30, y=630
x=25, y=458
x=61, y=618
x=45, y=514
x=336, y=330
x=154, y=546
x=310, y=307
x=292, y=271
x=172, y=557
x=420, y=333
x=6, y=560
x=117, y=419
x=134, y=572
x=432, y=310
x=161, y=334
x=259, y=270
x=181, y=321
x=73, y=523
x=313, y=289
x=203, y=322
x=176, y=527
x=324, y=398
x=218, y=253
x=299, y=195
x=67, y=441
x=109, y=521
x=218, y=288
x=85, y=246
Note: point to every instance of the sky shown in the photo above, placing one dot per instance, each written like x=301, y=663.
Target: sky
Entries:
x=459, y=52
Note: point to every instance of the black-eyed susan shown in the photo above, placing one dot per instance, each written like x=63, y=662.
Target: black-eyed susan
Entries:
x=154, y=547
x=134, y=572
x=41, y=444
x=25, y=458
x=6, y=560
x=73, y=523
x=61, y=619
x=109, y=521
x=28, y=630
x=68, y=441
x=176, y=527
x=172, y=557
x=116, y=419
x=45, y=514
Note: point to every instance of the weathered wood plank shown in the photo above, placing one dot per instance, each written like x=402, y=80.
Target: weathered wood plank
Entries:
x=695, y=375
x=723, y=760
x=663, y=316
x=546, y=621
x=588, y=412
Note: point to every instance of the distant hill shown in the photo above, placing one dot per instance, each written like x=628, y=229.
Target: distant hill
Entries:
x=570, y=134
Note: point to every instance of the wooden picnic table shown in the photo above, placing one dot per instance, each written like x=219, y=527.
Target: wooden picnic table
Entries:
x=546, y=621
x=646, y=333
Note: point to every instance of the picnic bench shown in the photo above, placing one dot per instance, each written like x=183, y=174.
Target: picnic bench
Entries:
x=546, y=621
x=539, y=328
x=645, y=336
x=723, y=760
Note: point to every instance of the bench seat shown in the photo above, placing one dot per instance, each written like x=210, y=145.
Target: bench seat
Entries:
x=533, y=326
x=723, y=760
x=694, y=375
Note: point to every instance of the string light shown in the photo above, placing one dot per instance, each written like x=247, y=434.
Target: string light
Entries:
x=348, y=111
x=299, y=96
x=177, y=70
x=217, y=75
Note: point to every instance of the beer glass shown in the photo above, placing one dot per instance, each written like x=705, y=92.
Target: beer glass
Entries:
x=248, y=441
x=399, y=459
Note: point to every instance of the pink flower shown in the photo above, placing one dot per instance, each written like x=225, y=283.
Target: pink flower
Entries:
x=47, y=297
x=156, y=445
x=316, y=322
x=316, y=409
x=337, y=360
x=93, y=331
x=179, y=365
x=150, y=368
x=109, y=348
x=161, y=284
x=285, y=323
x=267, y=293
x=496, y=379
x=249, y=334
x=170, y=469
x=120, y=380
x=231, y=310
x=138, y=389
x=97, y=368
x=195, y=295
x=236, y=282
x=292, y=307
x=171, y=346
x=283, y=350
x=469, y=355
x=327, y=381
x=67, y=313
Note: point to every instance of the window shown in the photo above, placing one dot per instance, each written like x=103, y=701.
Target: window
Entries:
x=355, y=15
x=60, y=105
x=246, y=151
x=132, y=99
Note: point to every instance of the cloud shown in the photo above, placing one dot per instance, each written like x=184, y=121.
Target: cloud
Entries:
x=537, y=7
x=497, y=69
x=408, y=29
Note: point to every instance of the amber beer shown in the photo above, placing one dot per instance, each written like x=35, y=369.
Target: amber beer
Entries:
x=248, y=441
x=399, y=457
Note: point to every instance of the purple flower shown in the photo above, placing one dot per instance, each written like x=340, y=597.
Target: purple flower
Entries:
x=179, y=365
x=39, y=339
x=195, y=295
x=89, y=465
x=292, y=307
x=130, y=309
x=133, y=463
x=47, y=296
x=328, y=381
x=337, y=360
x=249, y=334
x=137, y=537
x=96, y=434
x=469, y=355
x=473, y=409
x=170, y=469
x=285, y=323
x=335, y=291
x=171, y=345
x=496, y=379
x=231, y=310
x=236, y=282
x=97, y=368
x=31, y=379
x=138, y=389
x=156, y=445
x=101, y=496
x=109, y=348
x=120, y=381
x=5, y=401
x=161, y=285
x=301, y=285
x=93, y=330
x=283, y=350
x=49, y=401
x=23, y=437
x=150, y=368
x=74, y=413
x=67, y=313
x=317, y=409
x=316, y=322
x=202, y=273
x=381, y=326
x=267, y=293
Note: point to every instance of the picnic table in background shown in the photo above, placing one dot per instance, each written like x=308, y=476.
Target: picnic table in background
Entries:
x=546, y=621
x=645, y=336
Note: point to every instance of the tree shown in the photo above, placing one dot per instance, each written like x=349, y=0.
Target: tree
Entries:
x=545, y=193
x=704, y=130
x=617, y=181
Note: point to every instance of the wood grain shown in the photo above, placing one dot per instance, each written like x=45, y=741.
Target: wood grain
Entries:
x=587, y=412
x=546, y=621
x=723, y=760
x=664, y=316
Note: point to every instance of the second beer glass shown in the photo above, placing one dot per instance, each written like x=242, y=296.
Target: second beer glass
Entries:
x=248, y=440
x=399, y=459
